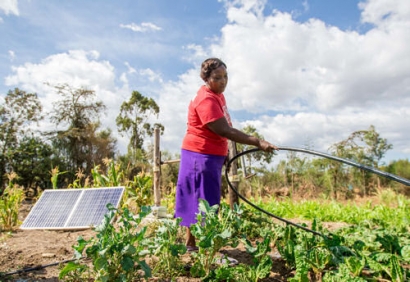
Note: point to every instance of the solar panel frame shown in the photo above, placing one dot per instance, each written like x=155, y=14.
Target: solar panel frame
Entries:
x=72, y=209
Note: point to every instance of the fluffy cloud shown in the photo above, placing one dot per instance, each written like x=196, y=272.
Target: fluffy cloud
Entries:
x=282, y=64
x=324, y=82
x=9, y=7
x=297, y=82
x=78, y=69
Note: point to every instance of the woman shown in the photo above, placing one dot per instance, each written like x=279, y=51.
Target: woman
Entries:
x=205, y=146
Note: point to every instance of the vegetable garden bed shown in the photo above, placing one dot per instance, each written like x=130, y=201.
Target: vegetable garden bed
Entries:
x=374, y=250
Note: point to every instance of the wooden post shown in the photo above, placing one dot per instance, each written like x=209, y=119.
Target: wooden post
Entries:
x=233, y=175
x=157, y=169
x=243, y=166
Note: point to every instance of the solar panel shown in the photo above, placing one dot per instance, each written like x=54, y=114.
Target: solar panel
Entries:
x=72, y=208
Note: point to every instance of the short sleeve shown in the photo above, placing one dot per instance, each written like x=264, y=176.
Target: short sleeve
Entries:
x=209, y=110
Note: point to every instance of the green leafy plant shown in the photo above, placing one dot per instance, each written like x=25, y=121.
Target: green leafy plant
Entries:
x=387, y=264
x=9, y=204
x=355, y=265
x=262, y=262
x=168, y=248
x=168, y=198
x=55, y=173
x=226, y=273
x=302, y=266
x=212, y=233
x=286, y=245
x=112, y=178
x=74, y=272
x=139, y=191
x=341, y=274
x=319, y=259
x=253, y=222
x=117, y=254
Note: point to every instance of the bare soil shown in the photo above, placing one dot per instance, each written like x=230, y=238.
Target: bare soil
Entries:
x=38, y=255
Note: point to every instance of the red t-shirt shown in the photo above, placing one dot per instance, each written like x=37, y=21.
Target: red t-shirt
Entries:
x=203, y=109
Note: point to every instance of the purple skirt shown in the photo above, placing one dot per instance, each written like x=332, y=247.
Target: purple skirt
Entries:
x=199, y=178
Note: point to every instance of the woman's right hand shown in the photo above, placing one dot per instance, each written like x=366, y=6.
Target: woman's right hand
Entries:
x=266, y=146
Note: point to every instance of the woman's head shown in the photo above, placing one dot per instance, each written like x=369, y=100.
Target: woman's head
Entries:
x=208, y=66
x=213, y=72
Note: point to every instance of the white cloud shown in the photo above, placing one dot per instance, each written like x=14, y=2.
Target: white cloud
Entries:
x=151, y=75
x=286, y=64
x=9, y=7
x=305, y=5
x=385, y=13
x=12, y=55
x=173, y=101
x=143, y=27
x=130, y=69
x=327, y=82
x=78, y=69
x=297, y=82
x=324, y=130
x=196, y=52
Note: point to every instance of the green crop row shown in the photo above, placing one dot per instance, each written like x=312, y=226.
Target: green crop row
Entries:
x=395, y=216
x=129, y=251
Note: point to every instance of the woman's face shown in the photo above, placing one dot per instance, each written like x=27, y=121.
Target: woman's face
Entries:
x=218, y=80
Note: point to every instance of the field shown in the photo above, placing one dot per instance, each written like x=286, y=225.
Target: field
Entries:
x=28, y=249
x=31, y=248
x=40, y=251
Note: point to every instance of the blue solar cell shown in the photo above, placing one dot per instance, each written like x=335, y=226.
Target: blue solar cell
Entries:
x=72, y=208
x=93, y=206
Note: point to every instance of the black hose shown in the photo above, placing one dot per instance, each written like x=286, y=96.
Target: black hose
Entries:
x=371, y=169
x=368, y=168
x=37, y=267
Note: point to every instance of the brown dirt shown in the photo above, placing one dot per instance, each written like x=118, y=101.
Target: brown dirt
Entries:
x=38, y=255
x=44, y=249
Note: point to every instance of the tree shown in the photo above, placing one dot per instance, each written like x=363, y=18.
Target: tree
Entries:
x=103, y=145
x=400, y=168
x=255, y=157
x=80, y=144
x=296, y=167
x=32, y=161
x=19, y=110
x=134, y=119
x=365, y=147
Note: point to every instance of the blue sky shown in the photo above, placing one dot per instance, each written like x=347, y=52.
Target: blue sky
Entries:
x=302, y=72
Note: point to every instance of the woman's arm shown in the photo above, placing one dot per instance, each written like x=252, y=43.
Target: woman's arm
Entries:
x=222, y=128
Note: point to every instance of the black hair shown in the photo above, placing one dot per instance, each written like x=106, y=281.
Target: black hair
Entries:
x=208, y=66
